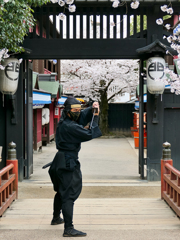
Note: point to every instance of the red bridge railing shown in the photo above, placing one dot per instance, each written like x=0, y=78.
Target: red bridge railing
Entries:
x=8, y=187
x=170, y=185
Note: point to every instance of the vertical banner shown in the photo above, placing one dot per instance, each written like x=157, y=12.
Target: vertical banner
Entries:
x=56, y=112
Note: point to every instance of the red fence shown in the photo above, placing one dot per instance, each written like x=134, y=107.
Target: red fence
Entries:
x=170, y=185
x=8, y=188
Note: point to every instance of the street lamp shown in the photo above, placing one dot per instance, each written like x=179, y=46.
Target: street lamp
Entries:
x=154, y=55
x=9, y=82
x=155, y=70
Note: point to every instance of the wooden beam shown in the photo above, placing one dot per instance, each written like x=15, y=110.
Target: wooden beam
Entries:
x=83, y=48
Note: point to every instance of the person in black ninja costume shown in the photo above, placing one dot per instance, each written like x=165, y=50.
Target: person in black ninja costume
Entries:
x=65, y=170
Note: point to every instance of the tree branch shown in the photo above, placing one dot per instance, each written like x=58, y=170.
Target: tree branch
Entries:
x=120, y=65
x=106, y=88
x=175, y=25
x=74, y=74
x=114, y=95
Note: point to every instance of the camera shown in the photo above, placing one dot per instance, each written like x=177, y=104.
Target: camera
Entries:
x=95, y=110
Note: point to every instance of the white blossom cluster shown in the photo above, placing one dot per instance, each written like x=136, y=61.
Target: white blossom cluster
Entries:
x=172, y=79
x=92, y=77
x=3, y=55
x=112, y=24
x=116, y=3
x=160, y=21
x=135, y=4
x=66, y=4
x=167, y=9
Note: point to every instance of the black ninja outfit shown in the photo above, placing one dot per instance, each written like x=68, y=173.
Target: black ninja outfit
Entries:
x=65, y=170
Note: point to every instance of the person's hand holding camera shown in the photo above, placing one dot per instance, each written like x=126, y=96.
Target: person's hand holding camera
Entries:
x=96, y=107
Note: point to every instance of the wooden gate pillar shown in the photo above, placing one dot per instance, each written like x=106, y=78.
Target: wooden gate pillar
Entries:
x=141, y=121
x=154, y=127
x=15, y=122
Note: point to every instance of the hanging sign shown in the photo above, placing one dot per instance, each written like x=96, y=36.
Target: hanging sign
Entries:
x=9, y=76
x=56, y=112
x=155, y=70
x=45, y=116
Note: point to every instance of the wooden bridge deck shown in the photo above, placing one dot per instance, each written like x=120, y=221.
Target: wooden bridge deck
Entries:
x=93, y=214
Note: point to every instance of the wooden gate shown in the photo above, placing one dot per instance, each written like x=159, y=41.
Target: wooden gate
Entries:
x=87, y=34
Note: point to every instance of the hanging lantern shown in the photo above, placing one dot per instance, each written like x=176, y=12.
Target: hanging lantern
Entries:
x=9, y=76
x=45, y=116
x=155, y=70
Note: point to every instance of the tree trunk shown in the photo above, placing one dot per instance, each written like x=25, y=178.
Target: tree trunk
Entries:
x=103, y=122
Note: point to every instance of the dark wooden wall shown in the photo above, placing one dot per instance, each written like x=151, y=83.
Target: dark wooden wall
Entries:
x=120, y=117
x=171, y=126
x=2, y=132
x=167, y=129
x=12, y=127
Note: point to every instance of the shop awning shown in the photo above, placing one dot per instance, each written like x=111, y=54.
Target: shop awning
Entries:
x=40, y=99
x=49, y=86
x=61, y=100
x=137, y=102
x=34, y=79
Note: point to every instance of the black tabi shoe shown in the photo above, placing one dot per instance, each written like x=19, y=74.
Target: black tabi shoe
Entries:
x=71, y=232
x=56, y=221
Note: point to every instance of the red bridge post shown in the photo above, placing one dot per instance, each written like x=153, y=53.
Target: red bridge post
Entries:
x=12, y=159
x=166, y=158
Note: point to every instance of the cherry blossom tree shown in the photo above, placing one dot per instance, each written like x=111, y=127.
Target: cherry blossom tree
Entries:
x=101, y=80
x=174, y=39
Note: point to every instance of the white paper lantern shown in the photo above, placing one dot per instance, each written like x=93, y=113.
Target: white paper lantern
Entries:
x=9, y=76
x=45, y=116
x=155, y=70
